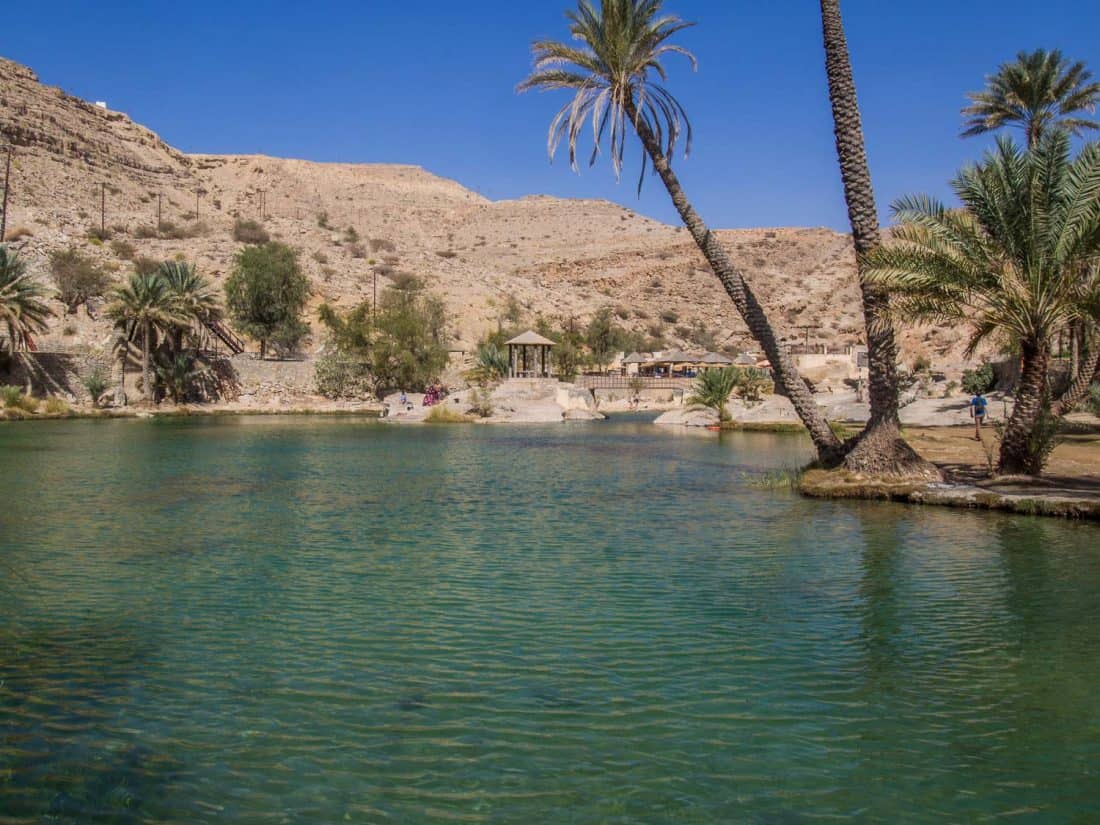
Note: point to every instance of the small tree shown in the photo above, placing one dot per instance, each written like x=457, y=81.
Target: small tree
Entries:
x=977, y=381
x=266, y=294
x=712, y=390
x=78, y=278
x=409, y=340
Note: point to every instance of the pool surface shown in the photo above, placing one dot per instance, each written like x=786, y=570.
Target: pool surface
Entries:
x=284, y=620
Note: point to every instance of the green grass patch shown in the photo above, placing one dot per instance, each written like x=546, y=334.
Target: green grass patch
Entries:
x=445, y=415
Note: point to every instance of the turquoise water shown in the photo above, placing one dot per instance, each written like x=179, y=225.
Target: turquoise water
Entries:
x=322, y=620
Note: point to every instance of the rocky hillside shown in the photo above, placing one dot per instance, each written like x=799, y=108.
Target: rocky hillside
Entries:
x=77, y=164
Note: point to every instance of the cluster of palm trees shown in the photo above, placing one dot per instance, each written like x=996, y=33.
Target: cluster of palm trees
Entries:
x=159, y=308
x=23, y=310
x=1018, y=259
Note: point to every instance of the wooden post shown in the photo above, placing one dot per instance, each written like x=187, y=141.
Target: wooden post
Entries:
x=7, y=188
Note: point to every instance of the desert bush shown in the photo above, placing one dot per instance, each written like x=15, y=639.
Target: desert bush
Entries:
x=176, y=232
x=442, y=414
x=622, y=312
x=123, y=249
x=382, y=245
x=322, y=220
x=481, y=402
x=447, y=253
x=78, y=277
x=339, y=375
x=320, y=257
x=145, y=232
x=144, y=265
x=669, y=316
x=405, y=282
x=922, y=363
x=17, y=234
x=250, y=232
x=15, y=399
x=68, y=330
x=350, y=235
x=357, y=250
x=978, y=380
x=97, y=234
x=56, y=406
x=96, y=384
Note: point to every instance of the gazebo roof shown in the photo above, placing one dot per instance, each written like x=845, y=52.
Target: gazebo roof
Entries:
x=634, y=358
x=530, y=339
x=715, y=358
x=745, y=358
x=674, y=356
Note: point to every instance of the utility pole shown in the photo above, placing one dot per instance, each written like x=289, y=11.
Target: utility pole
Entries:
x=7, y=188
x=807, y=329
x=263, y=202
x=103, y=208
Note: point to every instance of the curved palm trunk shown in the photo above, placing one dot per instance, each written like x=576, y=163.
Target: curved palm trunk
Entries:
x=1020, y=454
x=146, y=364
x=1087, y=370
x=879, y=449
x=786, y=375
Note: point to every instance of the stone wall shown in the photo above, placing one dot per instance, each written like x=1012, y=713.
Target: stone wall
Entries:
x=54, y=373
x=266, y=381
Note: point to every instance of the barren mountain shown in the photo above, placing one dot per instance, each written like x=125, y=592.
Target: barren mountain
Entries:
x=77, y=164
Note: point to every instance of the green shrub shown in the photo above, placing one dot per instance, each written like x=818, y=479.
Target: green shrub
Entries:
x=337, y=375
x=96, y=384
x=442, y=414
x=97, y=235
x=250, y=232
x=10, y=396
x=980, y=380
x=669, y=316
x=350, y=235
x=146, y=232
x=14, y=399
x=322, y=220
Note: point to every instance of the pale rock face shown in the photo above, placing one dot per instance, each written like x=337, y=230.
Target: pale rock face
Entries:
x=565, y=259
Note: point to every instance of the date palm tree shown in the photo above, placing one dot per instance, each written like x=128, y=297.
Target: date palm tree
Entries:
x=195, y=296
x=616, y=77
x=148, y=302
x=22, y=311
x=1036, y=92
x=880, y=448
x=712, y=390
x=1019, y=260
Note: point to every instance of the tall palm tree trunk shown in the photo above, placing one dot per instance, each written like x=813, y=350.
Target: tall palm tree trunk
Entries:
x=879, y=448
x=1087, y=371
x=1020, y=455
x=786, y=375
x=146, y=364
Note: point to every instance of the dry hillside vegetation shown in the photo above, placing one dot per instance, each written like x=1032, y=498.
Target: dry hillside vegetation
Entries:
x=356, y=222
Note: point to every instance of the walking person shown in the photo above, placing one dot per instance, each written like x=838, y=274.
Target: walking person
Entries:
x=978, y=406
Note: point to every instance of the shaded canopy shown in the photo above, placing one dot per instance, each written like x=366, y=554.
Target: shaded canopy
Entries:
x=530, y=339
x=634, y=358
x=716, y=358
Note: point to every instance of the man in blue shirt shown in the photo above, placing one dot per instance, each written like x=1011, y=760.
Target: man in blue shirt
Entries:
x=977, y=412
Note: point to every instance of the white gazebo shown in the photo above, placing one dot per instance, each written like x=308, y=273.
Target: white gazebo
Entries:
x=528, y=344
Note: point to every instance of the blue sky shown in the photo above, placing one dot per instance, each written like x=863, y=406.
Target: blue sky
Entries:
x=432, y=83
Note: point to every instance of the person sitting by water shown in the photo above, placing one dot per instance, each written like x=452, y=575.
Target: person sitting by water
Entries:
x=978, y=407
